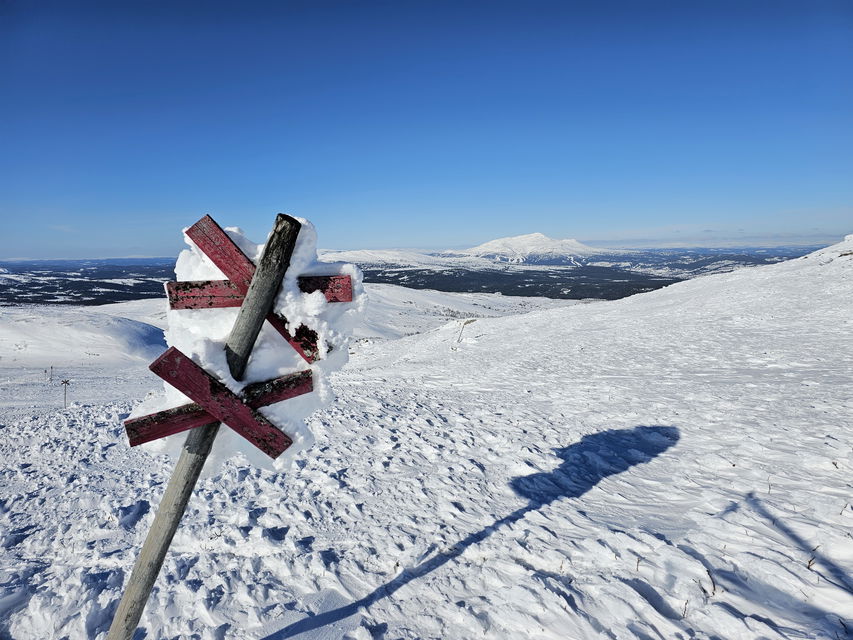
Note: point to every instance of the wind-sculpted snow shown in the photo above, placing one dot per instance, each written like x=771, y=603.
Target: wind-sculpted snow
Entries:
x=671, y=465
x=43, y=336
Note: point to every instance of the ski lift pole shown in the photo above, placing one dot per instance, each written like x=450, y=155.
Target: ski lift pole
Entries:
x=65, y=384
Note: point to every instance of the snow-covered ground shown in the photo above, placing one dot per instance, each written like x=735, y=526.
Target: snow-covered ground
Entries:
x=671, y=465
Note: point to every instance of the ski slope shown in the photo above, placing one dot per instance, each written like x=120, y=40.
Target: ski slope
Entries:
x=672, y=465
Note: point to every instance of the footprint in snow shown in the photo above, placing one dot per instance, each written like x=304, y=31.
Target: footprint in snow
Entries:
x=130, y=515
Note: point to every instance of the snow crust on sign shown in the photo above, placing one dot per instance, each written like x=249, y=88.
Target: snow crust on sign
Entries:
x=672, y=465
x=201, y=334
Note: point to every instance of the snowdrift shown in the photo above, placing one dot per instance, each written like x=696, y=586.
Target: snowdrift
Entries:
x=63, y=336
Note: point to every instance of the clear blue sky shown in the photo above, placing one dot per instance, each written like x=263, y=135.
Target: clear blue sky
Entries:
x=434, y=124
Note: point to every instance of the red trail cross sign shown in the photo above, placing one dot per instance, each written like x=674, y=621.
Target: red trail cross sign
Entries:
x=212, y=400
x=252, y=288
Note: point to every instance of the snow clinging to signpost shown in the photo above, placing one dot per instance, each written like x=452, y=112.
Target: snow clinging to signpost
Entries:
x=199, y=333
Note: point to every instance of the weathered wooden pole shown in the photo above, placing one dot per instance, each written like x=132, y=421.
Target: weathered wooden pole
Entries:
x=257, y=304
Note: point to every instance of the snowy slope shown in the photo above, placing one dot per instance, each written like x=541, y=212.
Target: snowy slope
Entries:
x=150, y=311
x=400, y=258
x=671, y=465
x=33, y=336
x=397, y=259
x=396, y=311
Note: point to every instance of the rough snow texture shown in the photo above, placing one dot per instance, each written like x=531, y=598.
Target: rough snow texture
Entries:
x=201, y=334
x=672, y=465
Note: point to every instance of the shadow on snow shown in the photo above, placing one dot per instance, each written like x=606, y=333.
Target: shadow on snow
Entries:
x=837, y=575
x=584, y=465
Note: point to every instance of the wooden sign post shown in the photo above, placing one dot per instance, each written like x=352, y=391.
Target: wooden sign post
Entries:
x=253, y=289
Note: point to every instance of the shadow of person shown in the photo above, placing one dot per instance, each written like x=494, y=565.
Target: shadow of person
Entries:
x=584, y=465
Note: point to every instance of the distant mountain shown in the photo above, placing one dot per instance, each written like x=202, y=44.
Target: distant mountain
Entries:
x=532, y=248
x=535, y=264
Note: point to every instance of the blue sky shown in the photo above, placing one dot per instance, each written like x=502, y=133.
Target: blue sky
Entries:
x=435, y=124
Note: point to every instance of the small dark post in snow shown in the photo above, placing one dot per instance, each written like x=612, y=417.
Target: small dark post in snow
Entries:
x=462, y=328
x=65, y=384
x=257, y=305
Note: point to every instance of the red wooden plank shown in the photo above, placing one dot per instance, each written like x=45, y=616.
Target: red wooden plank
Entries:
x=220, y=248
x=205, y=294
x=335, y=288
x=304, y=341
x=193, y=381
x=219, y=294
x=262, y=394
x=171, y=421
x=165, y=423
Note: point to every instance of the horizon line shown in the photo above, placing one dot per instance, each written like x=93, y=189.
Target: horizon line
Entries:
x=428, y=251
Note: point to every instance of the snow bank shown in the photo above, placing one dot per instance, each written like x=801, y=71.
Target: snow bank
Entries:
x=201, y=335
x=61, y=337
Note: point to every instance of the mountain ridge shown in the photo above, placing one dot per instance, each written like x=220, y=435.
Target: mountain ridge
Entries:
x=533, y=248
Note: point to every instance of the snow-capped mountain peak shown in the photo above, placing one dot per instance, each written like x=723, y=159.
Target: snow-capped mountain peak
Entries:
x=535, y=248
